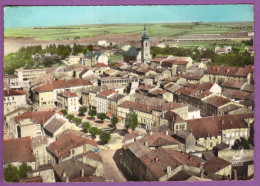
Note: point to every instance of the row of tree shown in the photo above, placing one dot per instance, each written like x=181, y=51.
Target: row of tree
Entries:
x=236, y=58
x=23, y=57
x=13, y=174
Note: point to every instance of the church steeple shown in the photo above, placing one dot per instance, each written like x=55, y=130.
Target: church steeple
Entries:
x=145, y=42
x=145, y=35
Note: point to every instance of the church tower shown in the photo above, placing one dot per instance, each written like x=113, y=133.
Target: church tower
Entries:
x=146, y=44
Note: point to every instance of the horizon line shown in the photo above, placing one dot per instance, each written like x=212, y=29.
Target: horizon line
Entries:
x=130, y=24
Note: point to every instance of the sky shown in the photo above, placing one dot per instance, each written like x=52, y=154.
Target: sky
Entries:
x=36, y=16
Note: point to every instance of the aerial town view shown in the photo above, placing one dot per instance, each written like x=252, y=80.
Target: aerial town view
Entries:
x=128, y=93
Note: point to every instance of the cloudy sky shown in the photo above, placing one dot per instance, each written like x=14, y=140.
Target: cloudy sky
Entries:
x=33, y=16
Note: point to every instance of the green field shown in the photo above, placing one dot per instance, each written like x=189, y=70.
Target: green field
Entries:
x=155, y=30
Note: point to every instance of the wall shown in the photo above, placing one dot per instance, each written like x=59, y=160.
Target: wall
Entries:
x=47, y=175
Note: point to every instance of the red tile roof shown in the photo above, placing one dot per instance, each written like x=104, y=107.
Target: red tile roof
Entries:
x=233, y=84
x=145, y=87
x=172, y=116
x=39, y=117
x=169, y=63
x=205, y=86
x=18, y=150
x=158, y=160
x=217, y=101
x=61, y=148
x=203, y=94
x=212, y=126
x=107, y=92
x=61, y=84
x=215, y=164
x=158, y=59
x=68, y=94
x=136, y=106
x=185, y=90
x=100, y=65
x=36, y=179
x=158, y=91
x=11, y=92
x=170, y=85
x=230, y=71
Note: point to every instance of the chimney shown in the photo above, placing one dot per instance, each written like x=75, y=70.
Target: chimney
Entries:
x=167, y=132
x=156, y=158
x=223, y=122
x=82, y=172
x=67, y=179
x=151, y=133
x=169, y=169
x=8, y=91
x=202, y=173
x=64, y=174
x=146, y=143
x=235, y=174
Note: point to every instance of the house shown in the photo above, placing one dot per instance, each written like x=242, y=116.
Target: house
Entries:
x=115, y=100
x=93, y=57
x=173, y=121
x=46, y=95
x=89, y=96
x=84, y=73
x=220, y=74
x=45, y=172
x=68, y=100
x=25, y=155
x=74, y=59
x=218, y=166
x=250, y=50
x=57, y=125
x=68, y=170
x=67, y=147
x=187, y=139
x=223, y=49
x=25, y=76
x=212, y=105
x=156, y=62
x=30, y=123
x=12, y=81
x=143, y=111
x=161, y=164
x=14, y=99
x=102, y=100
x=11, y=129
x=178, y=65
x=231, y=84
x=39, y=145
x=211, y=131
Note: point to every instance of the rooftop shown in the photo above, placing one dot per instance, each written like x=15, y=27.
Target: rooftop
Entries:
x=61, y=148
x=21, y=145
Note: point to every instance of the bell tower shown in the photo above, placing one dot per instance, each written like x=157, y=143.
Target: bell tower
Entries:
x=146, y=44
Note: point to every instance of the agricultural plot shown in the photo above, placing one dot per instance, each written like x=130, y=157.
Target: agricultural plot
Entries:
x=155, y=30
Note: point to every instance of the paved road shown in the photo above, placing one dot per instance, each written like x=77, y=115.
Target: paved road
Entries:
x=110, y=169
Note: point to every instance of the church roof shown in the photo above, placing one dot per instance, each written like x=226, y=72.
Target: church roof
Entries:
x=133, y=51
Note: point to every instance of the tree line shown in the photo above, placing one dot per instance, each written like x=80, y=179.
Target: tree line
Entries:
x=236, y=58
x=23, y=57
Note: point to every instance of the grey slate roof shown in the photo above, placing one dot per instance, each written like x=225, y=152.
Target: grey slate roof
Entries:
x=91, y=54
x=54, y=125
x=72, y=168
x=133, y=51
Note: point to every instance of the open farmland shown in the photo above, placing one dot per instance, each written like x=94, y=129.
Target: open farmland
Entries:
x=155, y=30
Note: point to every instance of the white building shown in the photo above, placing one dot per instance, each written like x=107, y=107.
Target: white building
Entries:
x=102, y=101
x=25, y=76
x=13, y=99
x=68, y=100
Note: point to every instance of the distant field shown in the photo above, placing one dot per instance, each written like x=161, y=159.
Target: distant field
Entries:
x=155, y=30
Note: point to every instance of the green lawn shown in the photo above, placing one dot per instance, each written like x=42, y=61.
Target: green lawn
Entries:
x=154, y=30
